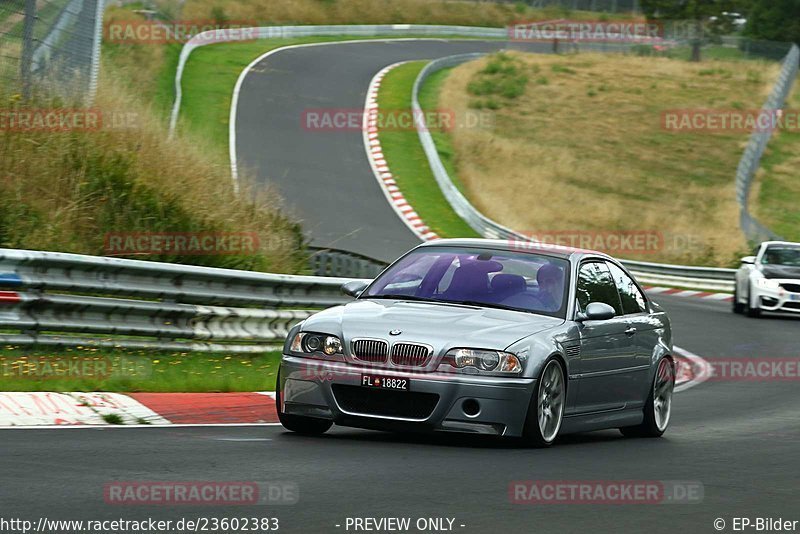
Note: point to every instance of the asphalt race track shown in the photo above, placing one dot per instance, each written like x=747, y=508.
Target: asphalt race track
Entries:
x=739, y=439
x=324, y=176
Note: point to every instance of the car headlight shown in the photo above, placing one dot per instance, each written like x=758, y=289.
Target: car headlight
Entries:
x=493, y=361
x=766, y=283
x=311, y=343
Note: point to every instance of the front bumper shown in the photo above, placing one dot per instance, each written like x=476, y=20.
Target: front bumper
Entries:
x=332, y=390
x=776, y=300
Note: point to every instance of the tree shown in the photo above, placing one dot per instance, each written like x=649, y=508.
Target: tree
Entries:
x=774, y=20
x=702, y=17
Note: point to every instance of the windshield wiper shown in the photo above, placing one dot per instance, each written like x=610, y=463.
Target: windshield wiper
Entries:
x=402, y=297
x=486, y=305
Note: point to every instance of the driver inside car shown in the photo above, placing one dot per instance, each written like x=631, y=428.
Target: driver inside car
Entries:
x=551, y=286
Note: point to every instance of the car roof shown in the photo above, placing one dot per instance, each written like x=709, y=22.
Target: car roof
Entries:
x=518, y=245
x=780, y=243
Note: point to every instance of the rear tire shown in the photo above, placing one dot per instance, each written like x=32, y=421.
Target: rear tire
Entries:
x=297, y=423
x=546, y=408
x=658, y=408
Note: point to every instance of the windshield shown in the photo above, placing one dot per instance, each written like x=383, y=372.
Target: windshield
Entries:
x=782, y=255
x=510, y=280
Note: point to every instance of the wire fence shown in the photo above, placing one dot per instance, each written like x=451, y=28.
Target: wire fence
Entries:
x=751, y=159
x=50, y=47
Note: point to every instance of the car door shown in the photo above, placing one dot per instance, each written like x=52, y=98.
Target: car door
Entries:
x=606, y=352
x=641, y=332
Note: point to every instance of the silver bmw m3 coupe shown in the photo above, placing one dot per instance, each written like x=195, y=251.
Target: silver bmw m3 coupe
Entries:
x=489, y=337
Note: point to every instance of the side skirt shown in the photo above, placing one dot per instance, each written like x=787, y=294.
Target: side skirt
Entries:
x=602, y=420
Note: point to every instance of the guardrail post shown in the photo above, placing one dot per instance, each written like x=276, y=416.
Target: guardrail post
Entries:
x=96, y=43
x=26, y=59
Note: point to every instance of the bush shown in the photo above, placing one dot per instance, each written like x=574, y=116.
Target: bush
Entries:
x=502, y=76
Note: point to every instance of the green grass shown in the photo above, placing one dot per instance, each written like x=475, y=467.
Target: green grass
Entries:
x=151, y=74
x=407, y=160
x=118, y=370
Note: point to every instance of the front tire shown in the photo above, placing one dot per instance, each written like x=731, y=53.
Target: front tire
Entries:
x=310, y=426
x=546, y=409
x=752, y=312
x=738, y=307
x=658, y=408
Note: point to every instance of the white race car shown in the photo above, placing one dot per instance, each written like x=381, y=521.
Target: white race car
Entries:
x=769, y=280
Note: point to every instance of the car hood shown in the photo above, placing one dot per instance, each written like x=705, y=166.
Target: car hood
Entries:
x=780, y=271
x=442, y=326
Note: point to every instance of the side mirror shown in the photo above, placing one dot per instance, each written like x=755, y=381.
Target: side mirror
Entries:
x=749, y=260
x=354, y=288
x=597, y=311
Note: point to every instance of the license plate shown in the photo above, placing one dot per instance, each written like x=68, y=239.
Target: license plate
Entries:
x=794, y=297
x=385, y=382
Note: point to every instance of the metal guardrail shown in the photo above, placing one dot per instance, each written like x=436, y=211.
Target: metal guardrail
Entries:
x=715, y=279
x=332, y=262
x=751, y=159
x=703, y=278
x=52, y=298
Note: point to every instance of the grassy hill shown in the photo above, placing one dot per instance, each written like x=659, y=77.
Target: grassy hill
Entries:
x=578, y=146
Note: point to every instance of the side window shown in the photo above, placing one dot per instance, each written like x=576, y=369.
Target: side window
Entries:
x=596, y=285
x=632, y=299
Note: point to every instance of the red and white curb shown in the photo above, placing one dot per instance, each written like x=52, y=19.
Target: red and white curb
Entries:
x=37, y=409
x=380, y=168
x=725, y=297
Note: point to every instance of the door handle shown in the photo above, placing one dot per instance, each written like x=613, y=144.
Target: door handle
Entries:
x=630, y=331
